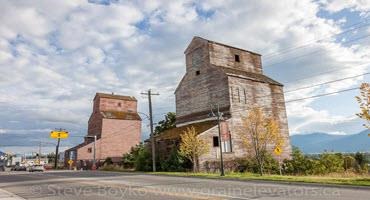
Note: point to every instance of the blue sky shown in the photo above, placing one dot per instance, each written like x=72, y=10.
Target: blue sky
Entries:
x=52, y=63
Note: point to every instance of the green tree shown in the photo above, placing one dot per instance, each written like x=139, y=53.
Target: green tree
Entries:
x=168, y=123
x=361, y=162
x=143, y=161
x=332, y=162
x=299, y=164
x=139, y=158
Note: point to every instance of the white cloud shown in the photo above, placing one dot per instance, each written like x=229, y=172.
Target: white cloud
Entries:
x=362, y=6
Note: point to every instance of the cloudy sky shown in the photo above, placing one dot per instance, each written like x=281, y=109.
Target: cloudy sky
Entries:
x=55, y=55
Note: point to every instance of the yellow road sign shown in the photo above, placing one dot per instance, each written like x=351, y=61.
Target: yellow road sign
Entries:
x=59, y=134
x=368, y=134
x=70, y=162
x=278, y=150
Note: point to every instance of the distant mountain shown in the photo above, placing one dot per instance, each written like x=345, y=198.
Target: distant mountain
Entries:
x=320, y=142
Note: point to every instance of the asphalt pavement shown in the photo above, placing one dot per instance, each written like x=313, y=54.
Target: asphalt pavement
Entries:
x=117, y=185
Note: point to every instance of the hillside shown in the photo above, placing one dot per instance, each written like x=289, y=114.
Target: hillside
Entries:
x=319, y=142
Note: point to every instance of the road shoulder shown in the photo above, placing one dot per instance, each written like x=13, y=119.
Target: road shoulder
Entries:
x=5, y=195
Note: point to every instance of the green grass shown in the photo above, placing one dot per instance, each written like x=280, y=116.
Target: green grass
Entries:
x=338, y=179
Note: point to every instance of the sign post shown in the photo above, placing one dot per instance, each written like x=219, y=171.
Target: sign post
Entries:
x=278, y=152
x=58, y=134
x=70, y=162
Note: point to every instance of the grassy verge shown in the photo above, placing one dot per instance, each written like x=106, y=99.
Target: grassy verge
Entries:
x=338, y=179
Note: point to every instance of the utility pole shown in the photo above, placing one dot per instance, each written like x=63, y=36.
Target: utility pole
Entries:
x=219, y=116
x=149, y=94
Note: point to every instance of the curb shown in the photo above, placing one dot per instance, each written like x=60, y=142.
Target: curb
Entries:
x=329, y=185
x=276, y=182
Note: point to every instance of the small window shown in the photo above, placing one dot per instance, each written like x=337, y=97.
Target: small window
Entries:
x=119, y=104
x=215, y=141
x=237, y=58
x=197, y=72
x=89, y=150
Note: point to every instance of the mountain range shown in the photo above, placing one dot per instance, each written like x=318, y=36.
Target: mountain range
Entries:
x=320, y=142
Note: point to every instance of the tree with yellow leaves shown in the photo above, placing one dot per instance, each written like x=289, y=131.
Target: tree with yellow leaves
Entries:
x=261, y=132
x=192, y=147
x=364, y=101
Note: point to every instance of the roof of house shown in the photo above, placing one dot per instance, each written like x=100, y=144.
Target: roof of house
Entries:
x=114, y=96
x=175, y=133
x=120, y=115
x=250, y=75
x=226, y=45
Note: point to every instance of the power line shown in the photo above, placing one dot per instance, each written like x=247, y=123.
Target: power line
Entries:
x=333, y=81
x=320, y=95
x=284, y=51
x=314, y=52
x=325, y=72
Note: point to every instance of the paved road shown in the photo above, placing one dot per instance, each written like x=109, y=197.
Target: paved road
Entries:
x=111, y=185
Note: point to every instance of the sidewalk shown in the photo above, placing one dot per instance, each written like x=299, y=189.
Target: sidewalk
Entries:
x=5, y=195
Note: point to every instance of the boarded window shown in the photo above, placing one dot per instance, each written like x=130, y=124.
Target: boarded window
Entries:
x=89, y=150
x=237, y=58
x=227, y=145
x=215, y=141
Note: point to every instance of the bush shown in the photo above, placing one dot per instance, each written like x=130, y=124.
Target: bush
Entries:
x=271, y=165
x=299, y=164
x=139, y=158
x=128, y=160
x=361, y=163
x=108, y=161
x=349, y=163
x=324, y=164
x=143, y=160
x=175, y=162
x=331, y=163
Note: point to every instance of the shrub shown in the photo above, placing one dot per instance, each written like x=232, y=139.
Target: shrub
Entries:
x=128, y=160
x=139, y=158
x=271, y=165
x=175, y=162
x=299, y=164
x=349, y=163
x=108, y=161
x=332, y=162
x=143, y=161
x=361, y=163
